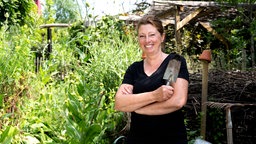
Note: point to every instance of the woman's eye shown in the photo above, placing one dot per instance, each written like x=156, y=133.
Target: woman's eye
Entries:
x=142, y=36
x=152, y=35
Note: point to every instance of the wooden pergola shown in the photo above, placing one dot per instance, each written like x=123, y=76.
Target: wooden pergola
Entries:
x=180, y=13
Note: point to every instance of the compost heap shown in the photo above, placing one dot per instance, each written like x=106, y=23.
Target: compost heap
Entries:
x=225, y=87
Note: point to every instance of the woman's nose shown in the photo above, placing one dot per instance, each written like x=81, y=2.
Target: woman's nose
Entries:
x=147, y=38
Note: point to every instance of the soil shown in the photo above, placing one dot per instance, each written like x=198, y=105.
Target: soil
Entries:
x=226, y=88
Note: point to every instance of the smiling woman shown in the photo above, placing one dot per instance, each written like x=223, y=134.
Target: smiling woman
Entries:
x=155, y=107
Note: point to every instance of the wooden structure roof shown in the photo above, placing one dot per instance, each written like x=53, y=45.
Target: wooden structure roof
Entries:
x=179, y=13
x=193, y=10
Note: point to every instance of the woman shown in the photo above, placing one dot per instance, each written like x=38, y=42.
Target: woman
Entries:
x=156, y=116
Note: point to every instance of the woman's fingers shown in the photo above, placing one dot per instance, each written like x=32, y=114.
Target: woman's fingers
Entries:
x=163, y=93
x=127, y=90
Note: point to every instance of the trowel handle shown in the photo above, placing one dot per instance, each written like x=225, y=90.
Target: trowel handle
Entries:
x=168, y=83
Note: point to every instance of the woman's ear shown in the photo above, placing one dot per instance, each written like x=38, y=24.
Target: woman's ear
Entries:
x=163, y=37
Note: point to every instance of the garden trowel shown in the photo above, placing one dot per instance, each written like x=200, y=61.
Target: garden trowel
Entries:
x=172, y=70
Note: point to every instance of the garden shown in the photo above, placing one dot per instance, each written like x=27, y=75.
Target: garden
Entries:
x=57, y=85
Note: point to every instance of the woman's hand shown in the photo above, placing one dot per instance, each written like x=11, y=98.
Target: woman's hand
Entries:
x=163, y=93
x=173, y=98
x=127, y=89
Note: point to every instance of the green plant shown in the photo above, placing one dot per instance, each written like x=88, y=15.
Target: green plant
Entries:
x=7, y=135
x=16, y=64
x=15, y=12
x=28, y=111
x=91, y=100
x=216, y=128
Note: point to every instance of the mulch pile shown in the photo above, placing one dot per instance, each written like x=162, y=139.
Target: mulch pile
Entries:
x=225, y=87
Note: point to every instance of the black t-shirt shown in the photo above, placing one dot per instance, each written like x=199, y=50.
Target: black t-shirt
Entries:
x=159, y=129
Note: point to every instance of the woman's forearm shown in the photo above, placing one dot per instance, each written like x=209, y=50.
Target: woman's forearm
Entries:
x=160, y=108
x=176, y=102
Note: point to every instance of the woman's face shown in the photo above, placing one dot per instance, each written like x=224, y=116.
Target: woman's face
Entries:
x=149, y=39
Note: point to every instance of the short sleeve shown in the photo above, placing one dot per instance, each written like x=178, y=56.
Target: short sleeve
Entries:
x=130, y=73
x=183, y=69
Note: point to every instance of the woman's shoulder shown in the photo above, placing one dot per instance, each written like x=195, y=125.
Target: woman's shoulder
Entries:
x=174, y=55
x=137, y=63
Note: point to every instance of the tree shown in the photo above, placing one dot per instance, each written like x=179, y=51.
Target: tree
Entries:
x=15, y=11
x=63, y=11
x=249, y=19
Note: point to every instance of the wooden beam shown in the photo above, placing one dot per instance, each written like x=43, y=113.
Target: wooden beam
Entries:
x=188, y=18
x=166, y=13
x=202, y=4
x=189, y=3
x=177, y=32
x=54, y=25
x=211, y=30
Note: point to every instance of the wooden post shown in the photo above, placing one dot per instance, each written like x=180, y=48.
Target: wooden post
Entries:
x=205, y=57
x=244, y=59
x=252, y=50
x=177, y=31
x=229, y=125
x=49, y=36
x=49, y=41
x=39, y=56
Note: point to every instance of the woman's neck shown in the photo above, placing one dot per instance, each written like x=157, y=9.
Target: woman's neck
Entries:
x=152, y=63
x=157, y=59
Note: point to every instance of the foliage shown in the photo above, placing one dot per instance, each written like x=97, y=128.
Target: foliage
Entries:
x=15, y=12
x=90, y=105
x=141, y=6
x=71, y=98
x=8, y=133
x=62, y=11
x=83, y=36
x=15, y=75
x=237, y=31
x=66, y=11
x=49, y=12
x=216, y=132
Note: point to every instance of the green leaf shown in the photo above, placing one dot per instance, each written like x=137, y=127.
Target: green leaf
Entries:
x=1, y=101
x=8, y=134
x=72, y=131
x=90, y=133
x=81, y=89
x=74, y=107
